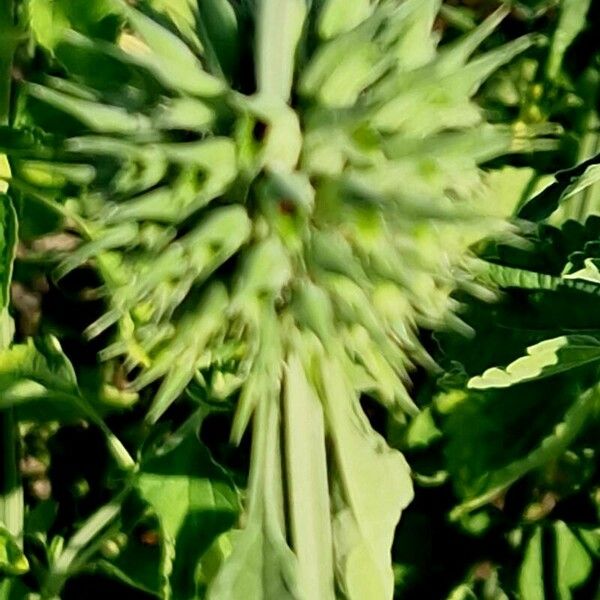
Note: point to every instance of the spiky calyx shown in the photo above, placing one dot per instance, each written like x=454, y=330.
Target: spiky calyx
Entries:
x=299, y=236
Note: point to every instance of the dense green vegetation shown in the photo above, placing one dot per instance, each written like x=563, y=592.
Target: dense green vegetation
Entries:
x=297, y=299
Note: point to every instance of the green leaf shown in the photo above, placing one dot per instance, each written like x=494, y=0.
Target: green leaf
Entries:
x=8, y=247
x=591, y=176
x=570, y=564
x=549, y=448
x=49, y=20
x=545, y=359
x=13, y=588
x=573, y=562
x=509, y=277
x=591, y=539
x=40, y=361
x=219, y=33
x=39, y=381
x=548, y=200
x=531, y=577
x=12, y=559
x=194, y=500
x=422, y=430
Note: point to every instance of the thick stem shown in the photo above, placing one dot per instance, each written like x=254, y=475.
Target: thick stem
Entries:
x=11, y=493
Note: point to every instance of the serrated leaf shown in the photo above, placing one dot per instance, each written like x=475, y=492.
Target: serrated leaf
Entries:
x=40, y=361
x=547, y=201
x=545, y=359
x=550, y=447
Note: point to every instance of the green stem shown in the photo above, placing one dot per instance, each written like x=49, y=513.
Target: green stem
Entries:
x=590, y=141
x=7, y=47
x=115, y=445
x=11, y=495
x=80, y=546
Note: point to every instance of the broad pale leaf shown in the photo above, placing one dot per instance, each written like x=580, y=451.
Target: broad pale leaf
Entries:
x=371, y=485
x=308, y=487
x=261, y=564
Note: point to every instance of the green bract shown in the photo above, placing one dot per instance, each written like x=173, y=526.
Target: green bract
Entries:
x=296, y=207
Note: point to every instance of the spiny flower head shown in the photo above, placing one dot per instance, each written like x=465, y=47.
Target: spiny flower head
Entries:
x=277, y=194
